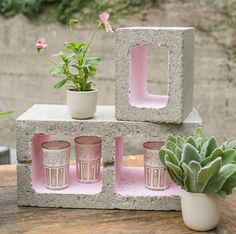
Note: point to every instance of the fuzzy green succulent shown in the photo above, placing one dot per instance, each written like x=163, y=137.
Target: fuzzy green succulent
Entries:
x=199, y=165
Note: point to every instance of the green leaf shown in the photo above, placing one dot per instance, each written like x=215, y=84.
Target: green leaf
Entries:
x=60, y=84
x=162, y=154
x=187, y=175
x=171, y=157
x=191, y=141
x=198, y=142
x=215, y=154
x=2, y=114
x=77, y=48
x=224, y=145
x=190, y=154
x=92, y=68
x=68, y=57
x=174, y=172
x=229, y=156
x=56, y=70
x=200, y=134
x=232, y=144
x=93, y=60
x=195, y=167
x=207, y=173
x=170, y=137
x=203, y=149
x=171, y=146
x=212, y=145
x=229, y=184
x=191, y=171
x=218, y=181
x=180, y=141
x=178, y=153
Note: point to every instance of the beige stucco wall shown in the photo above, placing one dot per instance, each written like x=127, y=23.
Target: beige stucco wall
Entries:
x=24, y=77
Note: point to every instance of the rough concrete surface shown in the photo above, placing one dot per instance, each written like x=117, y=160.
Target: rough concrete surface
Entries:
x=107, y=199
x=180, y=45
x=54, y=120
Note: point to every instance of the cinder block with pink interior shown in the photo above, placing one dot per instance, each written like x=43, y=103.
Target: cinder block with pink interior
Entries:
x=120, y=186
x=133, y=101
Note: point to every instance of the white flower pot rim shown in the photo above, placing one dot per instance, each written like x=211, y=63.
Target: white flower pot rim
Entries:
x=74, y=91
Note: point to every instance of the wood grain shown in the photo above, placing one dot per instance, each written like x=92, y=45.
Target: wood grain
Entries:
x=14, y=219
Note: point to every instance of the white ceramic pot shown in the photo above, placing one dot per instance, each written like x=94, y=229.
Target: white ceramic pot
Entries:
x=201, y=212
x=82, y=105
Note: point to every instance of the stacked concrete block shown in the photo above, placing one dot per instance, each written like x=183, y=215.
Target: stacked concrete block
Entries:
x=120, y=187
x=137, y=113
x=133, y=102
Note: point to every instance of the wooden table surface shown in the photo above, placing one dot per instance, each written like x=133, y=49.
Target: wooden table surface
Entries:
x=14, y=219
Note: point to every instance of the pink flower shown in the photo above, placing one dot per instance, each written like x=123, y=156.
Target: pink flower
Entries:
x=104, y=18
x=41, y=43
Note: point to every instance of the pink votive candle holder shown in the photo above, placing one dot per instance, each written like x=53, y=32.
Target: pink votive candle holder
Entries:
x=56, y=161
x=156, y=177
x=88, y=158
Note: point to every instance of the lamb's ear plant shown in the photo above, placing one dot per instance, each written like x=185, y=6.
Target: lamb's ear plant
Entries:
x=199, y=165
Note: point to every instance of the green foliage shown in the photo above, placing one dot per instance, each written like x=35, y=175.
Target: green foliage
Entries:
x=198, y=165
x=84, y=67
x=63, y=10
x=75, y=66
x=2, y=114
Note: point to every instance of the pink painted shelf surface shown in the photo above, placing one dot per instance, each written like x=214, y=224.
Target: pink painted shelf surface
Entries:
x=38, y=175
x=131, y=183
x=75, y=187
x=139, y=95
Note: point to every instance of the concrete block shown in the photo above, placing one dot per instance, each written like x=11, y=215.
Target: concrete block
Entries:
x=31, y=192
x=120, y=187
x=42, y=121
x=133, y=102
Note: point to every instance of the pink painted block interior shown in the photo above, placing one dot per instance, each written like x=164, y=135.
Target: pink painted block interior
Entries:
x=138, y=94
x=38, y=175
x=129, y=181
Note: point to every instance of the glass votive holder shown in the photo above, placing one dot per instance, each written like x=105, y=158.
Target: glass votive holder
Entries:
x=155, y=175
x=56, y=161
x=88, y=158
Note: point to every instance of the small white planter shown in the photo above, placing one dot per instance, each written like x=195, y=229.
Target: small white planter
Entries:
x=82, y=105
x=201, y=212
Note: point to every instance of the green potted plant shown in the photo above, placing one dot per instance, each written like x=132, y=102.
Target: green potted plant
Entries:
x=205, y=172
x=76, y=68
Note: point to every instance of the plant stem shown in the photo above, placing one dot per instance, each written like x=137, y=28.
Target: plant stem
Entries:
x=71, y=28
x=70, y=76
x=99, y=25
x=47, y=58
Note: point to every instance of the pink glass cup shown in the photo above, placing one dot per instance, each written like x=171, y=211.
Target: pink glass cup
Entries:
x=156, y=177
x=88, y=158
x=56, y=161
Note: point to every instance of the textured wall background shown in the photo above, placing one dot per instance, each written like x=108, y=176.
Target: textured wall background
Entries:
x=24, y=77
